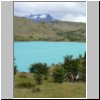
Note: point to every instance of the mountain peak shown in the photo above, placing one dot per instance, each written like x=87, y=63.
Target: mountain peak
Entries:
x=41, y=17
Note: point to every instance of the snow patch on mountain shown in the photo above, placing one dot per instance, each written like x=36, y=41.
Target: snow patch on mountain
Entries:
x=35, y=17
x=41, y=18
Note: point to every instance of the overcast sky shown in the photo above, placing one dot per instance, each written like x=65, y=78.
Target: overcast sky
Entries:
x=65, y=11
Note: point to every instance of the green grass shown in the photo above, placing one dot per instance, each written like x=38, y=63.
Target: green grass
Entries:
x=48, y=89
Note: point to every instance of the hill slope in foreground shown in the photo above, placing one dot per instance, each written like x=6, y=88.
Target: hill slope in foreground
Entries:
x=27, y=30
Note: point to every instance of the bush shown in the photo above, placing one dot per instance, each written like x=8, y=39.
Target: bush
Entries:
x=38, y=78
x=25, y=85
x=15, y=70
x=15, y=67
x=83, y=70
x=39, y=71
x=58, y=74
x=22, y=75
x=39, y=68
x=70, y=67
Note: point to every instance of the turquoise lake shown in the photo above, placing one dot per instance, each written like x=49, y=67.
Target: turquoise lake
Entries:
x=27, y=53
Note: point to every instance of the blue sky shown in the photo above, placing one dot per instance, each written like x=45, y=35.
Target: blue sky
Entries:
x=65, y=11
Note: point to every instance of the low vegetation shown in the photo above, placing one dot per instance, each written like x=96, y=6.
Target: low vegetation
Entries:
x=48, y=88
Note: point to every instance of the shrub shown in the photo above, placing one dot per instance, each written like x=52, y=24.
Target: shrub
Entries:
x=15, y=67
x=58, y=74
x=15, y=70
x=22, y=75
x=24, y=85
x=70, y=67
x=38, y=78
x=39, y=71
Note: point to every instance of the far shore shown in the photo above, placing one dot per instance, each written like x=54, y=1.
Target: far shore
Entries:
x=52, y=41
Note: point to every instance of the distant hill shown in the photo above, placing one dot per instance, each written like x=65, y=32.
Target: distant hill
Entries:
x=28, y=30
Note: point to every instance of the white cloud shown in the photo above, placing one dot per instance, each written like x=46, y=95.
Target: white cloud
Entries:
x=75, y=18
x=72, y=11
x=80, y=19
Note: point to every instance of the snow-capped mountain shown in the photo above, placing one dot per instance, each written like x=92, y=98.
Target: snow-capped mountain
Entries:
x=41, y=18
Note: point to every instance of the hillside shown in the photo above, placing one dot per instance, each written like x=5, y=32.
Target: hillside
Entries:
x=27, y=30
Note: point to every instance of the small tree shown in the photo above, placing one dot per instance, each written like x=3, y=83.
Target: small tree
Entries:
x=38, y=78
x=83, y=70
x=70, y=67
x=15, y=67
x=82, y=67
x=85, y=55
x=39, y=70
x=45, y=71
x=80, y=56
x=15, y=70
x=58, y=74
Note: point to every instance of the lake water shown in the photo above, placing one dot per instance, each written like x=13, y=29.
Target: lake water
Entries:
x=27, y=53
